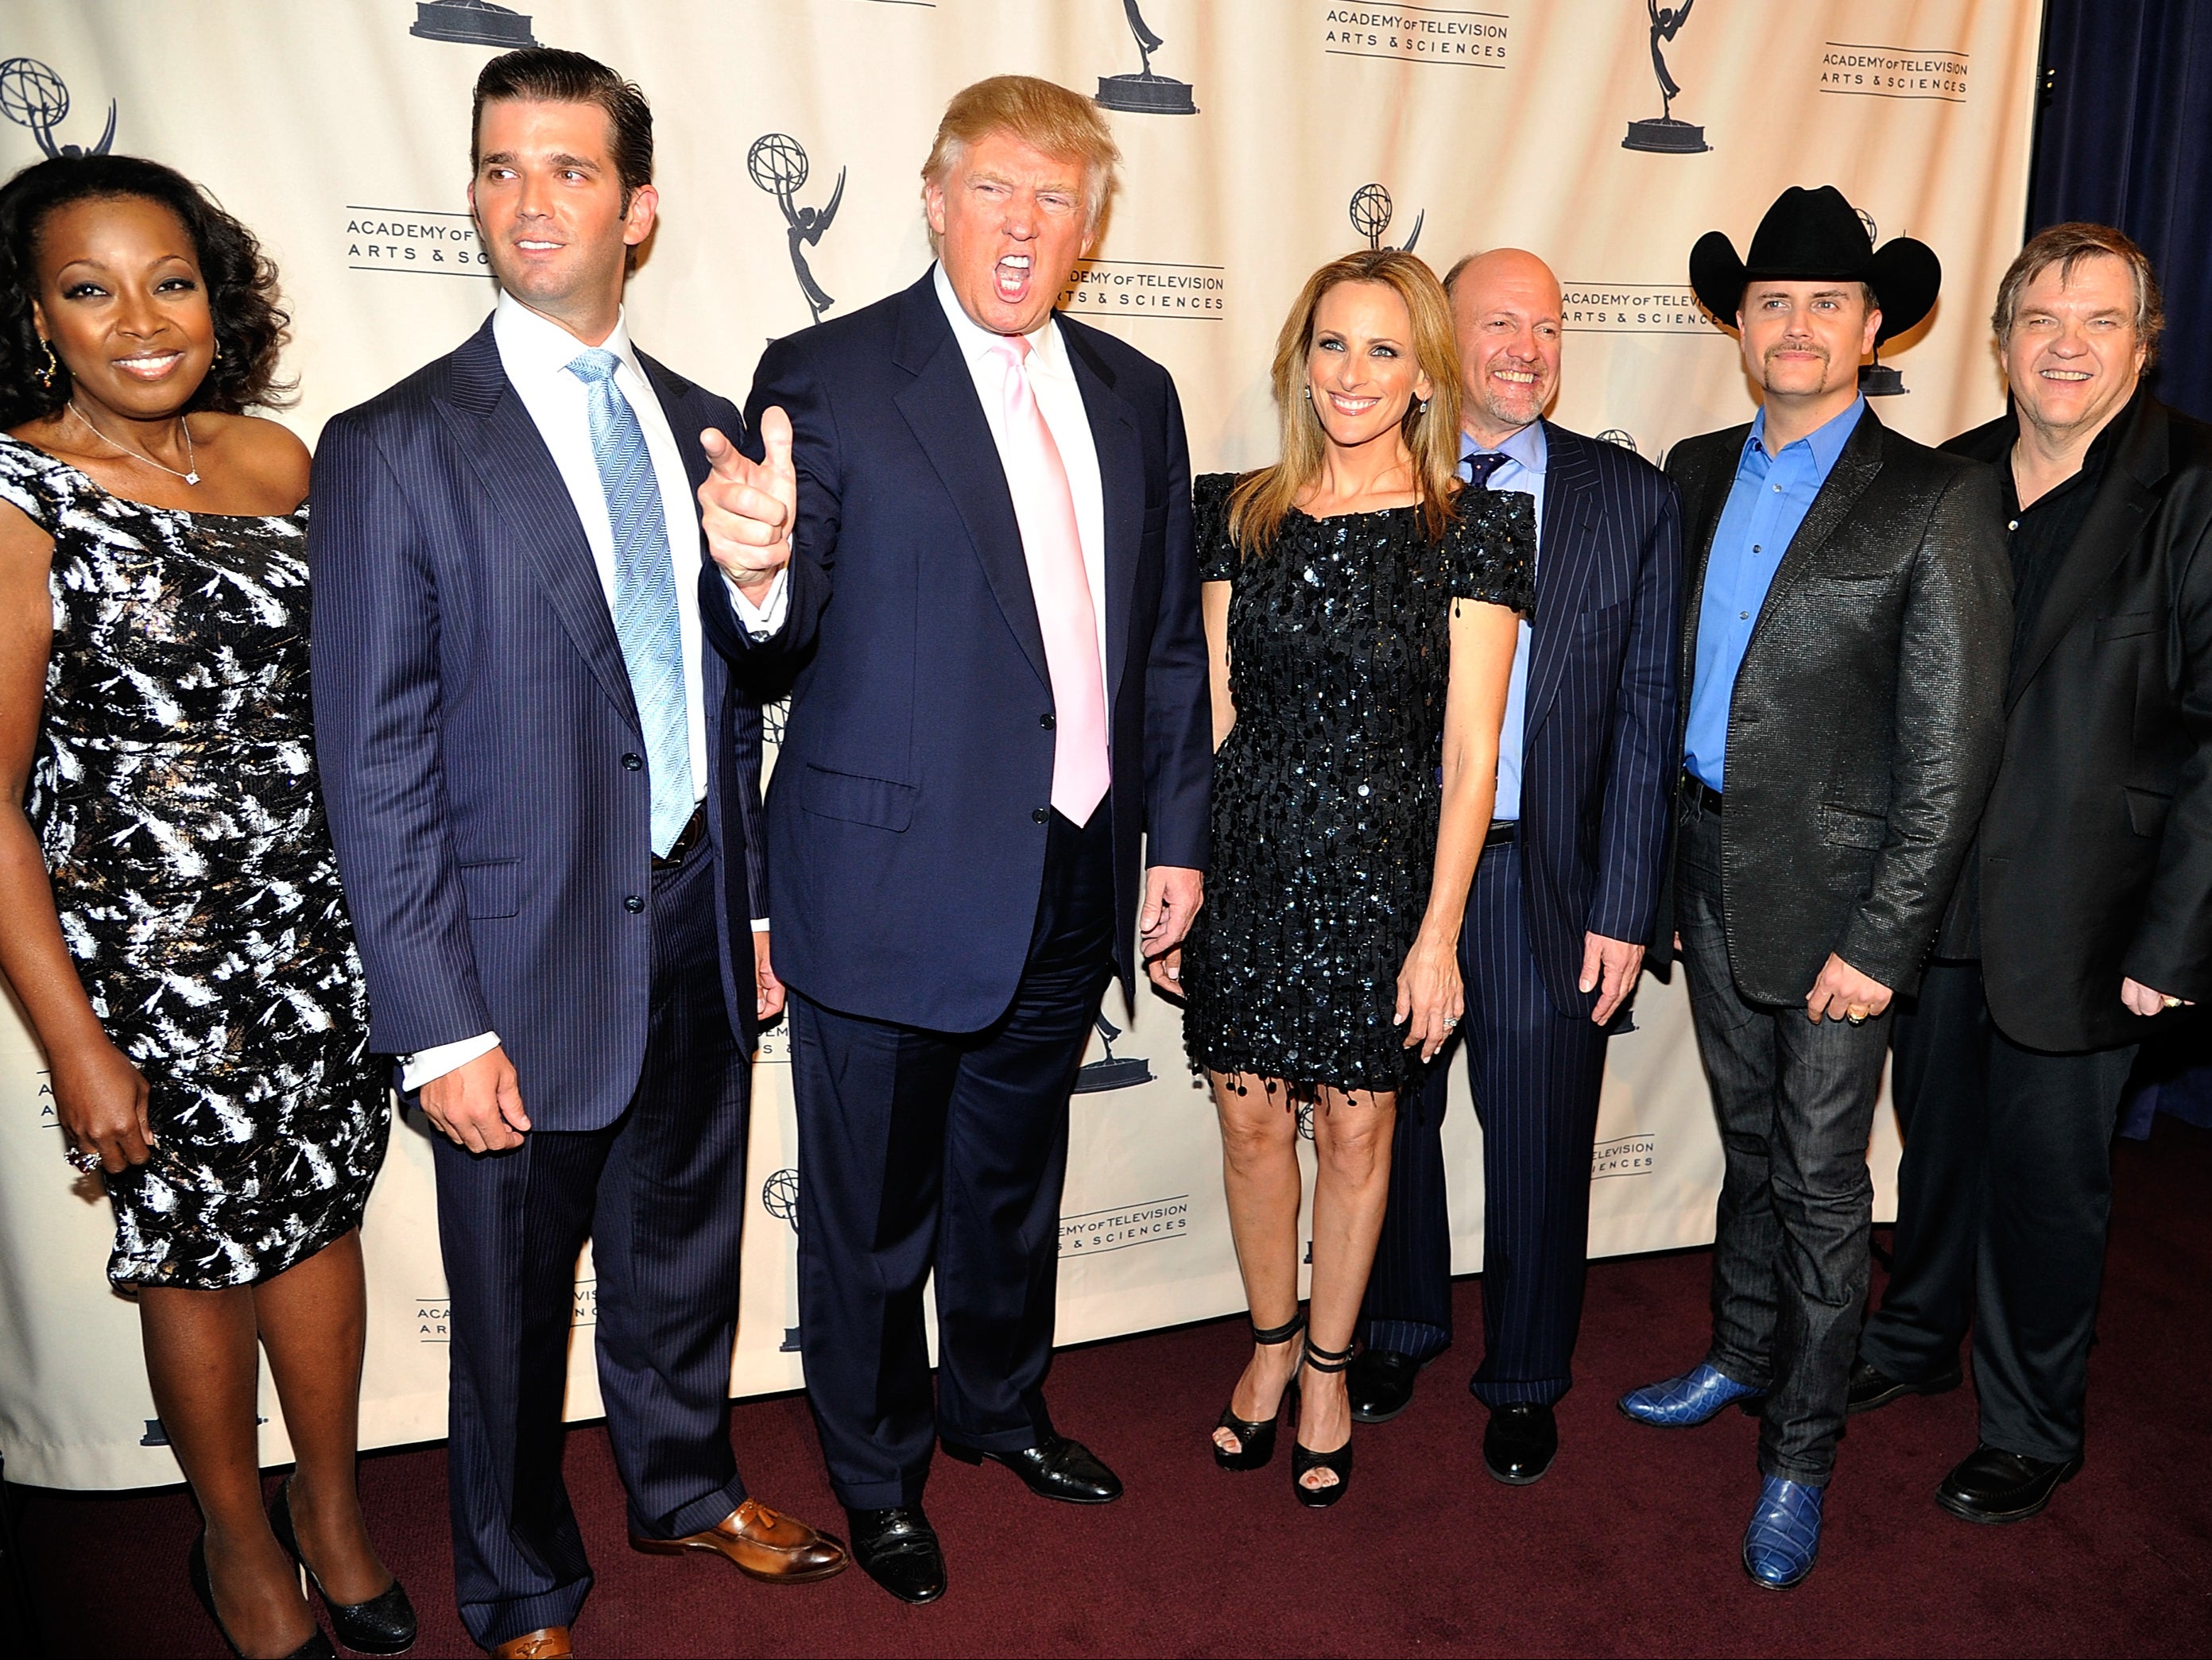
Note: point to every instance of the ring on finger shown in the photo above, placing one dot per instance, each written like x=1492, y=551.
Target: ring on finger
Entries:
x=1855, y=1016
x=83, y=1158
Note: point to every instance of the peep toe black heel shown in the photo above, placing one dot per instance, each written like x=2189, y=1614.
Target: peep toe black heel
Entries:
x=1304, y=1460
x=1255, y=1439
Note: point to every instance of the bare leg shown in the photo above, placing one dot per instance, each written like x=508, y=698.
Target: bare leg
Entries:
x=205, y=1372
x=1260, y=1172
x=314, y=1319
x=1352, y=1139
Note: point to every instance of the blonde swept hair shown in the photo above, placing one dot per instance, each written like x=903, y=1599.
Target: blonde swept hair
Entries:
x=1260, y=501
x=1044, y=116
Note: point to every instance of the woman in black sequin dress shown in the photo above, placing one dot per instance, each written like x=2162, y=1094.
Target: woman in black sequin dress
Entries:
x=170, y=916
x=1361, y=612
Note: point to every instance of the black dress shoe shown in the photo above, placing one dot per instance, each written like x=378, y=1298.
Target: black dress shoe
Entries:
x=1381, y=1384
x=898, y=1549
x=1991, y=1485
x=1056, y=1468
x=1872, y=1387
x=1522, y=1439
x=383, y=1625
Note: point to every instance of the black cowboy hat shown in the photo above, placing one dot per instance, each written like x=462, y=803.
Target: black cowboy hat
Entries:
x=1809, y=236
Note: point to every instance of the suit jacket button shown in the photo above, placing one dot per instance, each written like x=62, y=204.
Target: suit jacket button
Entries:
x=1045, y=720
x=1041, y=814
x=633, y=904
x=631, y=763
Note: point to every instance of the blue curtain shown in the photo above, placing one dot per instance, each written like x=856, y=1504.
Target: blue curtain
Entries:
x=2124, y=138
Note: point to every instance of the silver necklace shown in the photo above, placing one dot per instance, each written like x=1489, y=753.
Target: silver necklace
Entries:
x=191, y=455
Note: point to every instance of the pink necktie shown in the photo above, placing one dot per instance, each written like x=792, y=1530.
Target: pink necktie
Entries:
x=1044, y=507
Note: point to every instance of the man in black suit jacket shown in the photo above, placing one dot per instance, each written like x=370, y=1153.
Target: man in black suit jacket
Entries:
x=1565, y=894
x=1843, y=678
x=2088, y=907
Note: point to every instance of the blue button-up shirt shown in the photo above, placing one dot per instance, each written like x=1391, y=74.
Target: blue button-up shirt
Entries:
x=1769, y=501
x=1526, y=455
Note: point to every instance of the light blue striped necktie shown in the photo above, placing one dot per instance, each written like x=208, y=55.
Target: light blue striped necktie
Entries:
x=644, y=593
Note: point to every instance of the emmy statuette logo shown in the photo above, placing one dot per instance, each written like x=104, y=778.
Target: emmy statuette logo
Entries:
x=1371, y=208
x=1114, y=1072
x=780, y=1198
x=32, y=96
x=1620, y=438
x=471, y=23
x=1877, y=379
x=1144, y=93
x=1666, y=136
x=778, y=164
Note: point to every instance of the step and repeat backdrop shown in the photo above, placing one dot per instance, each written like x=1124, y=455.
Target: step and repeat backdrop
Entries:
x=1262, y=137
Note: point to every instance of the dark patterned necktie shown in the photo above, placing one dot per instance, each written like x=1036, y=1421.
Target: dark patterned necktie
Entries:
x=1480, y=465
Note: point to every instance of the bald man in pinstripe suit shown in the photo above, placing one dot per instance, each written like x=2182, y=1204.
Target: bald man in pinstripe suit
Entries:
x=1567, y=888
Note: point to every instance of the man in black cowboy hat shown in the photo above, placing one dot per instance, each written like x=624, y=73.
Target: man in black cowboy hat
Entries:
x=1842, y=669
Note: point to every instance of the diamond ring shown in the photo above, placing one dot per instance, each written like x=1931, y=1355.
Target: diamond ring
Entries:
x=86, y=1161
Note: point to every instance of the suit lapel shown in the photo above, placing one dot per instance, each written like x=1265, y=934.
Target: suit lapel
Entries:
x=2125, y=500
x=509, y=455
x=941, y=406
x=1121, y=480
x=1563, y=565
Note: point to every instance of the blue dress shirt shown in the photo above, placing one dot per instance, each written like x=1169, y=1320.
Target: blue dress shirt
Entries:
x=1526, y=455
x=1767, y=503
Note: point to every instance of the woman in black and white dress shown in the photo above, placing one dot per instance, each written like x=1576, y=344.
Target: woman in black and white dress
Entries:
x=170, y=915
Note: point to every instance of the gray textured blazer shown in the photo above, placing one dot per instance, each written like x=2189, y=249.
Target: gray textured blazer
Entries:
x=1869, y=713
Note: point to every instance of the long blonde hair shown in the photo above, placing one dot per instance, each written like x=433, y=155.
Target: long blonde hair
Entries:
x=1261, y=499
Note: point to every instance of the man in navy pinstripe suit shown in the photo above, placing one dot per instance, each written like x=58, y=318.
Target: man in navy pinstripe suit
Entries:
x=1568, y=885
x=545, y=800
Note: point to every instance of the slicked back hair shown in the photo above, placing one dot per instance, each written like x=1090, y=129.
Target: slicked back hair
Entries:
x=548, y=75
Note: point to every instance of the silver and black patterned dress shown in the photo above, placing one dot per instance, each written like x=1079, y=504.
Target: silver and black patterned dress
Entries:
x=174, y=792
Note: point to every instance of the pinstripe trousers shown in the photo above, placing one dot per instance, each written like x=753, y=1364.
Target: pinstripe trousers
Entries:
x=1535, y=1074
x=661, y=1193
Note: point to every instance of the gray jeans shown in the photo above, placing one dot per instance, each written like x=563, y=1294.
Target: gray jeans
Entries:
x=1795, y=1102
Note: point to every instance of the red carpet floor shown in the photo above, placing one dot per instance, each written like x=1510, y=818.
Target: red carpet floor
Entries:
x=1629, y=1545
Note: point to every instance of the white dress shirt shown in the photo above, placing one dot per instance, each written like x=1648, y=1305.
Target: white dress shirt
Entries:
x=536, y=352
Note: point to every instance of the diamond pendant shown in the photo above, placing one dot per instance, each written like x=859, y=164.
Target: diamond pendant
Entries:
x=191, y=478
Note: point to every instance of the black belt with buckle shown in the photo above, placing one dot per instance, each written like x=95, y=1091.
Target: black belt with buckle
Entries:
x=694, y=832
x=1502, y=832
x=1695, y=789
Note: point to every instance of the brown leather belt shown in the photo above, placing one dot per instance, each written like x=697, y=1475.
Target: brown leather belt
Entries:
x=1502, y=832
x=1695, y=789
x=694, y=832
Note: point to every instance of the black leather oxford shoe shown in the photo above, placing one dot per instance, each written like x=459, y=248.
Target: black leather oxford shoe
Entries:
x=898, y=1549
x=1522, y=1439
x=1991, y=1485
x=1871, y=1387
x=1056, y=1468
x=1380, y=1383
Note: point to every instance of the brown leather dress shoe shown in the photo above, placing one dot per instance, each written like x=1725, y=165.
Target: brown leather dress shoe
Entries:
x=549, y=1643
x=763, y=1544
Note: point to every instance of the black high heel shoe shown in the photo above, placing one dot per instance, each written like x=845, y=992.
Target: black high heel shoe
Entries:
x=317, y=1647
x=1255, y=1439
x=383, y=1625
x=1303, y=1458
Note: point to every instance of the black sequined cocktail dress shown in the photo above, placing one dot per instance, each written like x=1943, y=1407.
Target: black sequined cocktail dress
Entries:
x=1326, y=795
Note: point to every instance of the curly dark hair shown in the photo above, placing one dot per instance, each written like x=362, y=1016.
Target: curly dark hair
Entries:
x=250, y=326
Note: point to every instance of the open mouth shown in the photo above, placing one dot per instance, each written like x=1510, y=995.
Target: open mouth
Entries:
x=1351, y=406
x=149, y=365
x=535, y=245
x=2065, y=375
x=1514, y=377
x=1010, y=276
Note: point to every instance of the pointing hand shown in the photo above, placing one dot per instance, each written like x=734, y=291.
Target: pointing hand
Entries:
x=747, y=508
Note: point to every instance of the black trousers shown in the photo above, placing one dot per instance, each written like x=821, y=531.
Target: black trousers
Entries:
x=660, y=1194
x=2004, y=1198
x=1795, y=1100
x=945, y=1151
x=1536, y=1075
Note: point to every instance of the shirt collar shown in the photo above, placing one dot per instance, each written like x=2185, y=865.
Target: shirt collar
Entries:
x=1528, y=447
x=1825, y=442
x=532, y=344
x=1046, y=355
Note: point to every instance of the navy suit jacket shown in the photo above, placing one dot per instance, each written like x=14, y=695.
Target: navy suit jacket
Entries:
x=480, y=748
x=1598, y=759
x=906, y=817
